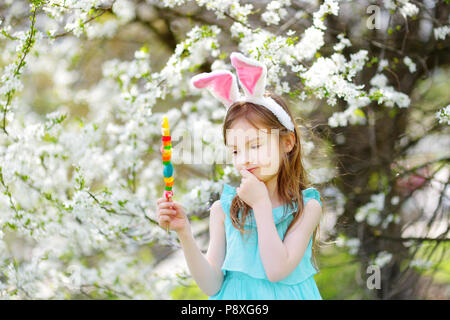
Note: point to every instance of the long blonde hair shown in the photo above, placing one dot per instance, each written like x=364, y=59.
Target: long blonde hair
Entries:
x=292, y=176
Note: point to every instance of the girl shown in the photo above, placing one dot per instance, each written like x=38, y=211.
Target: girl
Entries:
x=262, y=233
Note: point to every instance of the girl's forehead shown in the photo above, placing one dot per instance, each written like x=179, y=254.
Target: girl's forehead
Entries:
x=237, y=136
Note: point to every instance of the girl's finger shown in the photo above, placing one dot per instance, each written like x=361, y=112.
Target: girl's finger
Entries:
x=176, y=205
x=164, y=221
x=161, y=200
x=167, y=205
x=167, y=211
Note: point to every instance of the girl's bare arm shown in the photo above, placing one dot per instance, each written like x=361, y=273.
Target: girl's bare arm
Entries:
x=206, y=268
x=279, y=257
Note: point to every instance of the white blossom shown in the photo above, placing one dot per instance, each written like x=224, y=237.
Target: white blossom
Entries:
x=410, y=64
x=275, y=12
x=370, y=212
x=441, y=32
x=443, y=115
x=408, y=9
x=382, y=258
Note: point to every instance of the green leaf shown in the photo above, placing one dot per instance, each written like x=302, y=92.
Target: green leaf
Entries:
x=359, y=113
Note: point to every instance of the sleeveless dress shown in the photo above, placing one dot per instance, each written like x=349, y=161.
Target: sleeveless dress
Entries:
x=244, y=274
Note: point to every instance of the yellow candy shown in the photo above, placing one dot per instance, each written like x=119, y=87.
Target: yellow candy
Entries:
x=165, y=131
x=165, y=123
x=168, y=179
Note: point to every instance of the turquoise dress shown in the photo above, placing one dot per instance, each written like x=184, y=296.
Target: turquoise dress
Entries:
x=244, y=274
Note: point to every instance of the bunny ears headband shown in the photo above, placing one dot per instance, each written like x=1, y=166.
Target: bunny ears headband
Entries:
x=252, y=77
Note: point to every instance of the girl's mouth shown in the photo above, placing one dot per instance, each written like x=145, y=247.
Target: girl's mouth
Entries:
x=252, y=169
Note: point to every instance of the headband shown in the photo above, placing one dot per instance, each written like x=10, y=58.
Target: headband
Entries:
x=252, y=77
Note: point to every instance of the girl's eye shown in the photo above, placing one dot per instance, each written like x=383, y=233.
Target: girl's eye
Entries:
x=253, y=147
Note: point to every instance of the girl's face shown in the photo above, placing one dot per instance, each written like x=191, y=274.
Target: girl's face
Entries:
x=254, y=149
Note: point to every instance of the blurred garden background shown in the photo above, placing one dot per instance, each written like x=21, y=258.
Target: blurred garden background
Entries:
x=84, y=85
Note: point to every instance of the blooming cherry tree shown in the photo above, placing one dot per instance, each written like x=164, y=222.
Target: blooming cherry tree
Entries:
x=80, y=168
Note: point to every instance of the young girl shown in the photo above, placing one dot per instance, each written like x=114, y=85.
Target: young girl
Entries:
x=262, y=233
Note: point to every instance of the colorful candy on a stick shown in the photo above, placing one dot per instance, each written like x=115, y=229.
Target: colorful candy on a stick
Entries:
x=166, y=150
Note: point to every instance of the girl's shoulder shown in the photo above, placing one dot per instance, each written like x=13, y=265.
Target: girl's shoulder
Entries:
x=228, y=193
x=311, y=193
x=217, y=210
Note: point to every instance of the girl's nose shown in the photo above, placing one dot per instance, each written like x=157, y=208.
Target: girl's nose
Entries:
x=242, y=159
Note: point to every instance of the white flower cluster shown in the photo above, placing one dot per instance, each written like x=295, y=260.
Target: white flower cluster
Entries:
x=173, y=3
x=313, y=37
x=328, y=7
x=73, y=13
x=343, y=42
x=332, y=75
x=200, y=193
x=370, y=212
x=410, y=64
x=200, y=43
x=389, y=4
x=321, y=175
x=127, y=74
x=382, y=64
x=275, y=12
x=232, y=7
x=311, y=41
x=124, y=9
x=332, y=78
x=443, y=115
x=126, y=71
x=387, y=95
x=408, y=9
x=10, y=82
x=352, y=115
x=307, y=147
x=382, y=258
x=273, y=50
x=441, y=32
x=352, y=244
x=390, y=218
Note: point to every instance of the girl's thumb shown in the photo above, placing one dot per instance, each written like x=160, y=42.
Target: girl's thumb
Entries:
x=175, y=205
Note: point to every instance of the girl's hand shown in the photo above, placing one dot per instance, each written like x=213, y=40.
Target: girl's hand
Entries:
x=171, y=213
x=252, y=191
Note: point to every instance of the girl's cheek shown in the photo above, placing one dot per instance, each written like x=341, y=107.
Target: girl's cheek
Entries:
x=254, y=157
x=264, y=157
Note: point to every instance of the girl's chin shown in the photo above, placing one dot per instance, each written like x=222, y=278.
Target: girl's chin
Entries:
x=260, y=176
x=264, y=172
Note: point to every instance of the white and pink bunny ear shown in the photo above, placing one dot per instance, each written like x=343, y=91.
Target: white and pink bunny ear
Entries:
x=251, y=74
x=221, y=83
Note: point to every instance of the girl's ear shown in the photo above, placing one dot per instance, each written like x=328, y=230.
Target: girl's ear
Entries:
x=251, y=74
x=221, y=83
x=289, y=142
